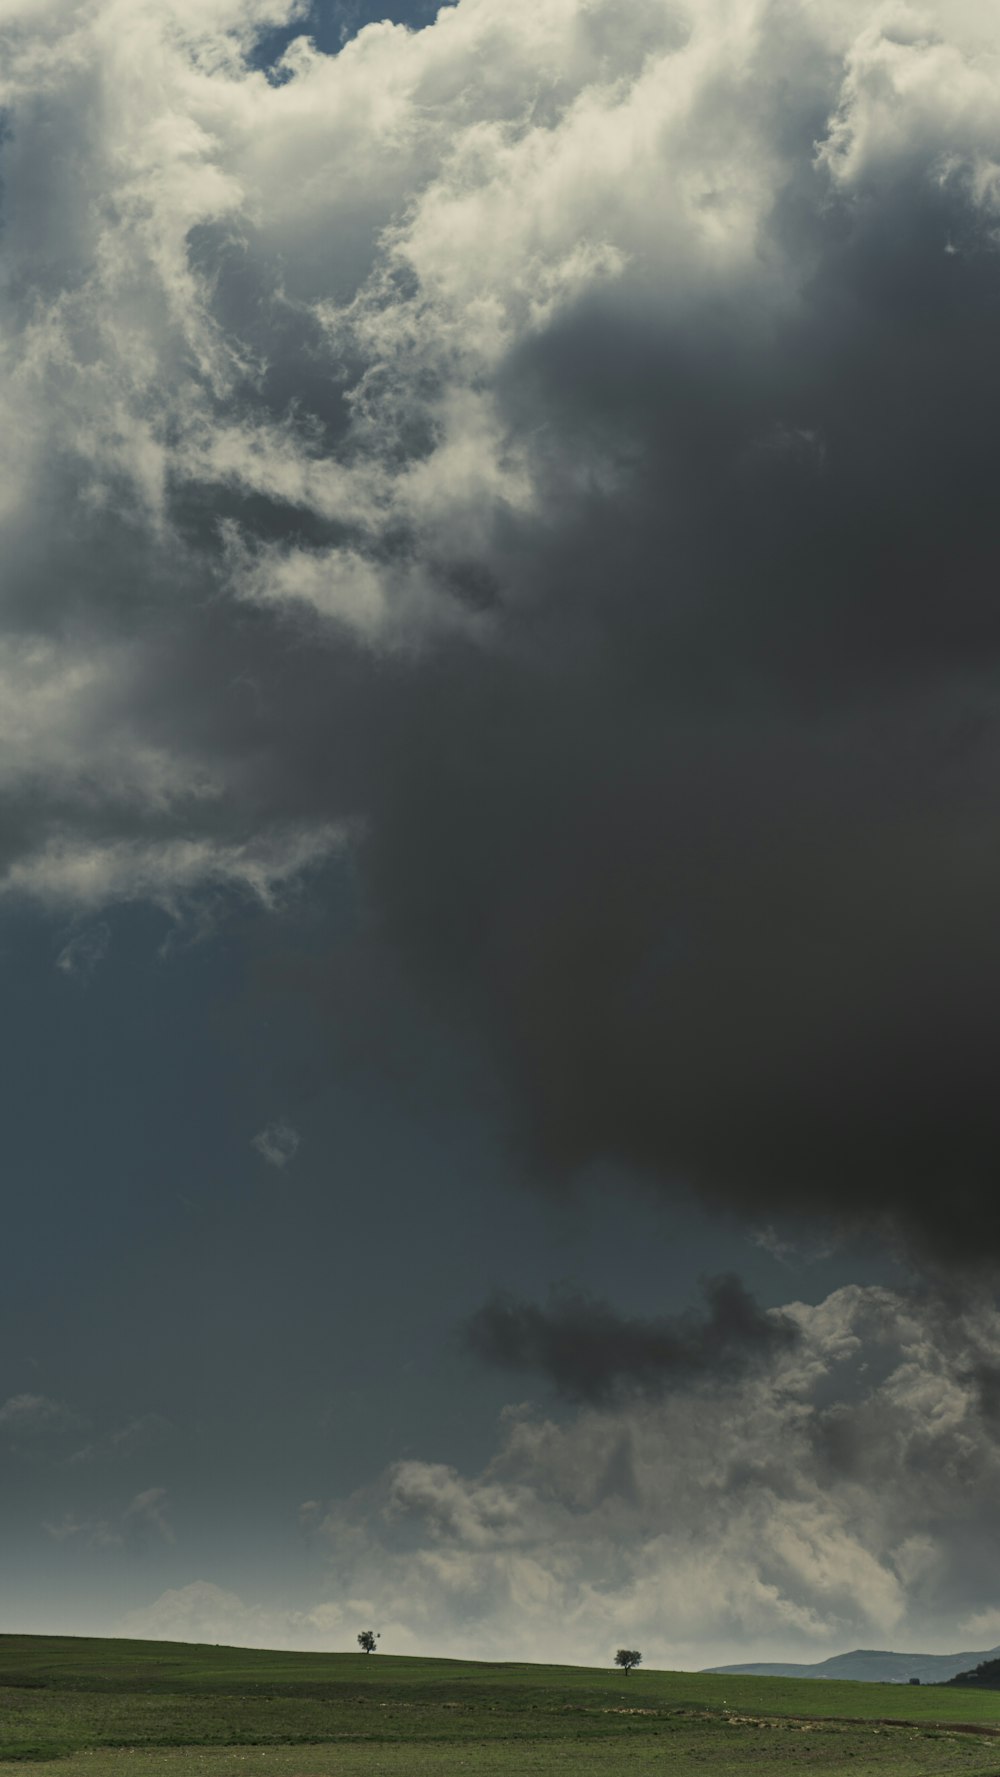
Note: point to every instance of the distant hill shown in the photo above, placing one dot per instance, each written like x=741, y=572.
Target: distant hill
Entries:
x=876, y=1665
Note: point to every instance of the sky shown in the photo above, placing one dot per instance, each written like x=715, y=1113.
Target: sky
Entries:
x=499, y=861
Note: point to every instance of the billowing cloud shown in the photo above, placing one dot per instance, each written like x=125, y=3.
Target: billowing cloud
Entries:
x=551, y=455
x=589, y=1352
x=199, y=1611
x=842, y=1495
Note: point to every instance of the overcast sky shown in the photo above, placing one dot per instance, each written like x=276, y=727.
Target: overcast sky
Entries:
x=499, y=854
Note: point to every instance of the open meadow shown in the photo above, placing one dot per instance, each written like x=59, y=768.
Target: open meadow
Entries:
x=161, y=1709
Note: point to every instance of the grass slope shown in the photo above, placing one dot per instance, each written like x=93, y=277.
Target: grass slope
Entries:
x=114, y=1708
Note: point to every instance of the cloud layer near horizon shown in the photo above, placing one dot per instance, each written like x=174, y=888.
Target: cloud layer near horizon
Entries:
x=549, y=455
x=841, y=1495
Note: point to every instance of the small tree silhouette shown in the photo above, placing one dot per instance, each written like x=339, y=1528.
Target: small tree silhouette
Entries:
x=367, y=1640
x=627, y=1657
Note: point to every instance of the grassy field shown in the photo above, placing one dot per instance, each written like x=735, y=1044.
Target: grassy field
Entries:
x=162, y=1709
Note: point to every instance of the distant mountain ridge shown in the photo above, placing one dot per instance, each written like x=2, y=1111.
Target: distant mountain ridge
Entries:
x=871, y=1665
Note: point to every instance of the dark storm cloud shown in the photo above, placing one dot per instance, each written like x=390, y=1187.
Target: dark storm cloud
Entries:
x=614, y=572
x=718, y=861
x=590, y=1352
x=985, y=1377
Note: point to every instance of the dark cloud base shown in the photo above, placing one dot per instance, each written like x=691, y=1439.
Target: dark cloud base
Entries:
x=591, y=1353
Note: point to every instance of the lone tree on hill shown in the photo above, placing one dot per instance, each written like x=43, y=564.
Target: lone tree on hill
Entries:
x=627, y=1657
x=367, y=1640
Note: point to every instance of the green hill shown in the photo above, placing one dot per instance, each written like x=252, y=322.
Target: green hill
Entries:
x=163, y=1709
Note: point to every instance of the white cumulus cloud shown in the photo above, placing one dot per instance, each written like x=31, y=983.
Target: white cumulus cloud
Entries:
x=843, y=1496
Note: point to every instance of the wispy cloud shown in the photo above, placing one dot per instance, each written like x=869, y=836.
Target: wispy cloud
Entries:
x=278, y=1144
x=147, y=1513
x=29, y=1412
x=144, y=1518
x=126, y=1441
x=29, y=1416
x=788, y=1250
x=82, y=954
x=95, y=1533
